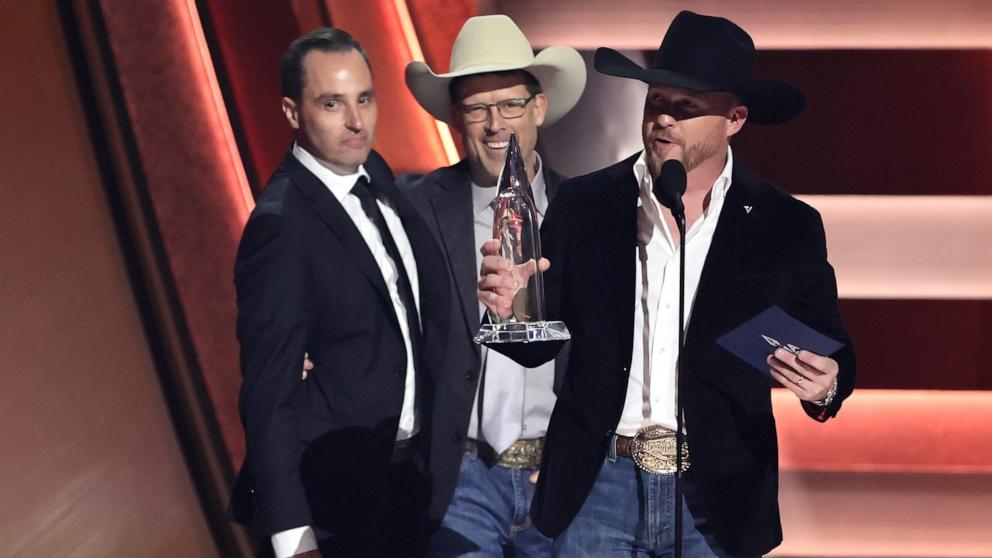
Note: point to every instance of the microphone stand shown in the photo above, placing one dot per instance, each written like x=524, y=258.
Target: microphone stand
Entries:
x=679, y=436
x=668, y=189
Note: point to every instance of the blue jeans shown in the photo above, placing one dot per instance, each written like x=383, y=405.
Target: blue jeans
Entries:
x=631, y=513
x=489, y=515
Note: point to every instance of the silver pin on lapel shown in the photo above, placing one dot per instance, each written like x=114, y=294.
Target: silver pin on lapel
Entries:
x=748, y=208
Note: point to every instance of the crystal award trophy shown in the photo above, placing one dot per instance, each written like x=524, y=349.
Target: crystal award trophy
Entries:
x=515, y=225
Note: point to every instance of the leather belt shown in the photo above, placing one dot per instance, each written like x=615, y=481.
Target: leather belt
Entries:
x=522, y=454
x=652, y=449
x=623, y=444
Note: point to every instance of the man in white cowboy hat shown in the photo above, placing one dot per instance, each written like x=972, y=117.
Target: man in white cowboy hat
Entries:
x=613, y=278
x=490, y=413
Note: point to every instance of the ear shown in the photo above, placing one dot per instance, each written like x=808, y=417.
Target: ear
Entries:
x=738, y=116
x=289, y=109
x=456, y=122
x=540, y=108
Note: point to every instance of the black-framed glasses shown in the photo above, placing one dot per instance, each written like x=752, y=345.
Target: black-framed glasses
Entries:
x=507, y=108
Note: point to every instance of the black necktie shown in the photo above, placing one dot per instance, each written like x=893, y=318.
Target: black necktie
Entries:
x=371, y=209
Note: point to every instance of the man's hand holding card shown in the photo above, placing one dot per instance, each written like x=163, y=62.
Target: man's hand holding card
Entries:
x=810, y=376
x=796, y=355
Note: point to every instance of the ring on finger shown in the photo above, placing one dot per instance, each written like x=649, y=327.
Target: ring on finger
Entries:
x=800, y=380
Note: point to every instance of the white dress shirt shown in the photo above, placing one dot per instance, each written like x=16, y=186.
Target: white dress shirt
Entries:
x=517, y=401
x=656, y=300
x=301, y=539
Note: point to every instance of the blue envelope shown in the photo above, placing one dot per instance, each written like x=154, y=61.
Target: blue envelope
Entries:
x=758, y=337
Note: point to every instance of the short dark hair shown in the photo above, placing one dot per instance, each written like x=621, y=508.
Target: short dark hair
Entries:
x=530, y=82
x=324, y=39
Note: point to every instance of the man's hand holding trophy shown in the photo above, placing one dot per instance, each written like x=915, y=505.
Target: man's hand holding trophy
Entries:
x=512, y=283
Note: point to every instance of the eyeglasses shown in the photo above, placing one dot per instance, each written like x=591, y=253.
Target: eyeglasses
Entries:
x=507, y=108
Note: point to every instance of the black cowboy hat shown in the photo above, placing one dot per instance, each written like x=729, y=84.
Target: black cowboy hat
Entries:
x=706, y=53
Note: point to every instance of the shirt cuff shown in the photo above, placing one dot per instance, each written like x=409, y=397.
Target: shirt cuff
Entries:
x=293, y=541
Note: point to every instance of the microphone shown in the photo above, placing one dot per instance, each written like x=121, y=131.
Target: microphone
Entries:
x=670, y=185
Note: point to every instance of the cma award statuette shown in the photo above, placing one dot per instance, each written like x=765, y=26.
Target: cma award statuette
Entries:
x=515, y=225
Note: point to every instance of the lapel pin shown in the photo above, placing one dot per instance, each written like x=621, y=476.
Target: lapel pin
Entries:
x=748, y=208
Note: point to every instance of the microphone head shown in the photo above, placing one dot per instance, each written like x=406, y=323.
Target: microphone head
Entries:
x=670, y=185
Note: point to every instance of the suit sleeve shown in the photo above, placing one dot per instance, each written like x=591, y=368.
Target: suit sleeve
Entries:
x=813, y=298
x=271, y=278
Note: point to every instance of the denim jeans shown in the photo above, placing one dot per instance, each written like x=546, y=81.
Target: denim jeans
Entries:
x=489, y=515
x=631, y=513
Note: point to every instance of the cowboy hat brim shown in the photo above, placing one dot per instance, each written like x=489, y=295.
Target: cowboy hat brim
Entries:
x=559, y=69
x=769, y=101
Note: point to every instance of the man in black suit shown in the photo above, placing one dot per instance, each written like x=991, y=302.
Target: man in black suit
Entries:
x=613, y=252
x=336, y=263
x=484, y=455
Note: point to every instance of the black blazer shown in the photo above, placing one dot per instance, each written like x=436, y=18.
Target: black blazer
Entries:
x=774, y=254
x=444, y=198
x=307, y=282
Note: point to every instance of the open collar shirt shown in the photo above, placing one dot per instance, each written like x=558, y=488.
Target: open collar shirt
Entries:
x=650, y=397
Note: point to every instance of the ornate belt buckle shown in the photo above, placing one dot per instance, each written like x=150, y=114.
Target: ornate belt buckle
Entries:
x=522, y=454
x=653, y=450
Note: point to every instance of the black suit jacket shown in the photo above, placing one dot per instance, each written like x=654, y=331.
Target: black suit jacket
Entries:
x=444, y=198
x=307, y=283
x=774, y=254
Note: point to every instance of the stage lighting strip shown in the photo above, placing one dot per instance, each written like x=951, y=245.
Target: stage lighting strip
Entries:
x=220, y=114
x=416, y=53
x=805, y=24
x=891, y=431
x=909, y=247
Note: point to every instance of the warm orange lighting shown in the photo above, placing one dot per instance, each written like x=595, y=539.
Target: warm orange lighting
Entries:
x=919, y=247
x=890, y=431
x=417, y=54
x=410, y=141
x=798, y=24
x=223, y=123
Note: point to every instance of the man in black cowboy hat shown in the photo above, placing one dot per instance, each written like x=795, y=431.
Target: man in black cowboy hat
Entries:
x=613, y=279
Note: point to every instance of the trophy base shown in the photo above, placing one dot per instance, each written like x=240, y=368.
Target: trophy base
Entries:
x=522, y=332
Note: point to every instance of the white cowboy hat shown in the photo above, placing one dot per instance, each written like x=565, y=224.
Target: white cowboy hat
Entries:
x=493, y=43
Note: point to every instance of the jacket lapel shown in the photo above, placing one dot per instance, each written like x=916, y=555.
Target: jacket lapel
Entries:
x=551, y=182
x=425, y=252
x=620, y=248
x=735, y=239
x=453, y=211
x=331, y=212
